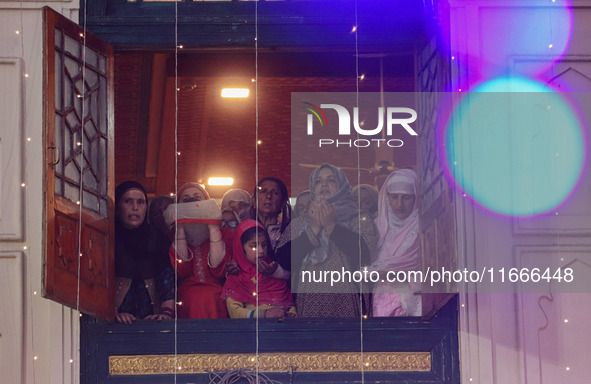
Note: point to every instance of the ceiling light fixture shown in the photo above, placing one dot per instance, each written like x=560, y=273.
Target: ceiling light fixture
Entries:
x=235, y=93
x=223, y=181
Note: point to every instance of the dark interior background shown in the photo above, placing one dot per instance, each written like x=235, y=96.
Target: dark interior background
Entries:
x=215, y=136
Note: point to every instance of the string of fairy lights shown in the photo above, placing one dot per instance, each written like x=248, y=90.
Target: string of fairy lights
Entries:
x=32, y=290
x=177, y=367
x=359, y=78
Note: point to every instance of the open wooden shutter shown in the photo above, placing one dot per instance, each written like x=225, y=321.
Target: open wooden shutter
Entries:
x=438, y=234
x=78, y=153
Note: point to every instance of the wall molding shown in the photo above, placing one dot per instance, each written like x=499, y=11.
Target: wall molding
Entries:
x=11, y=149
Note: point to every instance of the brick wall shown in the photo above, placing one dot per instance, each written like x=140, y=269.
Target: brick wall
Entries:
x=217, y=136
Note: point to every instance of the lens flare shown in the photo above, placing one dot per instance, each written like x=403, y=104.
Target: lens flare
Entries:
x=490, y=39
x=514, y=147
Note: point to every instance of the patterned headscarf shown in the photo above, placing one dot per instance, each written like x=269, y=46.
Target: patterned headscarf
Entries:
x=345, y=210
x=342, y=199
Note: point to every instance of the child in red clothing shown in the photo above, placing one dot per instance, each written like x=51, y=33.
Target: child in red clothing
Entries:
x=243, y=292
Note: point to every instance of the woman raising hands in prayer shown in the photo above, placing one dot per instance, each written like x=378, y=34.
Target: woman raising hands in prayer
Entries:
x=334, y=237
x=200, y=250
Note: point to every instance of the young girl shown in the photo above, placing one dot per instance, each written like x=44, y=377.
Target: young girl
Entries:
x=252, y=246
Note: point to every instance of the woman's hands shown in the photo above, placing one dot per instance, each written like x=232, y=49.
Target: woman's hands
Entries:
x=159, y=316
x=128, y=318
x=166, y=312
x=125, y=318
x=322, y=215
x=232, y=267
x=278, y=313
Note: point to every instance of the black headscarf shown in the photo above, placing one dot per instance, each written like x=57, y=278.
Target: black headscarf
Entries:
x=139, y=252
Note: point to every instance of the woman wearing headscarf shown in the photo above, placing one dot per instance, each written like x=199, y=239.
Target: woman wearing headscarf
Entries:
x=270, y=207
x=239, y=201
x=201, y=249
x=398, y=245
x=302, y=203
x=144, y=279
x=333, y=237
x=365, y=198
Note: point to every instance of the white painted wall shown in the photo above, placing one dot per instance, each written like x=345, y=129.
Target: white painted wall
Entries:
x=519, y=337
x=37, y=337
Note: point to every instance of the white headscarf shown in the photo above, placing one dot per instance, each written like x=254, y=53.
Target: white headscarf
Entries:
x=398, y=245
x=237, y=195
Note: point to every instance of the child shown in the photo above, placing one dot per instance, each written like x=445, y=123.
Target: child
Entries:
x=252, y=246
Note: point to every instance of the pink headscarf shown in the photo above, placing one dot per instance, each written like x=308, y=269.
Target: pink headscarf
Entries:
x=398, y=245
x=240, y=287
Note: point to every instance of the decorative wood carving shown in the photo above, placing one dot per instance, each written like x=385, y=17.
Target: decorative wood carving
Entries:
x=78, y=142
x=271, y=362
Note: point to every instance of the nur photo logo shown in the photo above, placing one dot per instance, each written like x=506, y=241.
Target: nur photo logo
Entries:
x=392, y=118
